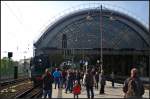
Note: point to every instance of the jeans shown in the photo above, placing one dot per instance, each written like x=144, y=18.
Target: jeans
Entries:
x=63, y=82
x=69, y=86
x=112, y=82
x=47, y=92
x=96, y=85
x=57, y=82
x=90, y=89
x=102, y=91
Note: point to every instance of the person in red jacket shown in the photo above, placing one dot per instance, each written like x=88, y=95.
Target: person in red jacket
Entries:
x=76, y=89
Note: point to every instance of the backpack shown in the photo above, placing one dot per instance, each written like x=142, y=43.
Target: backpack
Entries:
x=131, y=88
x=47, y=81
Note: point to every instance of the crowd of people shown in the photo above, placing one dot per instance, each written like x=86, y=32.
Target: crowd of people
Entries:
x=74, y=80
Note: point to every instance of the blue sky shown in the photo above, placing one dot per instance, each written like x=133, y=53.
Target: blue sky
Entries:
x=23, y=21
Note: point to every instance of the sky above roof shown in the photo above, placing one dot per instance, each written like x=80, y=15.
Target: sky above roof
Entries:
x=23, y=21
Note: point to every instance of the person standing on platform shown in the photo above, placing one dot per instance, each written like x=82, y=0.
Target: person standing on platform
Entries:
x=69, y=81
x=77, y=76
x=89, y=82
x=133, y=86
x=53, y=70
x=112, y=79
x=97, y=80
x=64, y=76
x=102, y=82
x=57, y=76
x=82, y=75
x=47, y=84
x=76, y=89
x=83, y=81
x=73, y=75
x=60, y=79
x=72, y=78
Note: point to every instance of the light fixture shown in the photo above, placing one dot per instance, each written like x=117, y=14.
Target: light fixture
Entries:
x=88, y=17
x=98, y=61
x=112, y=18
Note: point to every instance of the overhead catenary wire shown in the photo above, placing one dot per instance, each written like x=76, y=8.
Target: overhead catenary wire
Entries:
x=24, y=27
x=13, y=13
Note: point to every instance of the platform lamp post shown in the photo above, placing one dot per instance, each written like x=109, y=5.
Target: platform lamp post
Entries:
x=101, y=51
x=98, y=64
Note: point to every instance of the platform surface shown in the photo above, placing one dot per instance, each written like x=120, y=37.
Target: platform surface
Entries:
x=109, y=92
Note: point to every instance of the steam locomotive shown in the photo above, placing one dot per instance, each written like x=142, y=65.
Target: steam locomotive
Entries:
x=38, y=64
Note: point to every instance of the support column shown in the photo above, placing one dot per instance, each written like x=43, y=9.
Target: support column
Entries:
x=112, y=65
x=122, y=65
x=148, y=66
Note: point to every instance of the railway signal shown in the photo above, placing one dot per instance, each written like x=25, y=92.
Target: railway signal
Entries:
x=10, y=54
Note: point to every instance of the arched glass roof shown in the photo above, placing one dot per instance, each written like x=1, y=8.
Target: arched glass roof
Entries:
x=119, y=31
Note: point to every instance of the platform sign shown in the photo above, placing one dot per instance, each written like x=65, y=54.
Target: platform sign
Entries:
x=86, y=64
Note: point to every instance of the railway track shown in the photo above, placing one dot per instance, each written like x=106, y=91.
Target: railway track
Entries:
x=33, y=92
x=5, y=83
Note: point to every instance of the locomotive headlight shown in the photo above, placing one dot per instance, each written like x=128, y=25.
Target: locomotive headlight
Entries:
x=39, y=60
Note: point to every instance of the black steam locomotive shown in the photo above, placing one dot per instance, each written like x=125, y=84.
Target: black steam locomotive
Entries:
x=38, y=64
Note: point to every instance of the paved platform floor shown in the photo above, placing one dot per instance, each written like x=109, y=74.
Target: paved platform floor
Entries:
x=109, y=92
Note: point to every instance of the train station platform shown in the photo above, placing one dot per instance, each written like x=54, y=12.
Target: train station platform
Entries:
x=109, y=92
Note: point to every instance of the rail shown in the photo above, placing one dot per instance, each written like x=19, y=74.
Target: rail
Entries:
x=33, y=92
